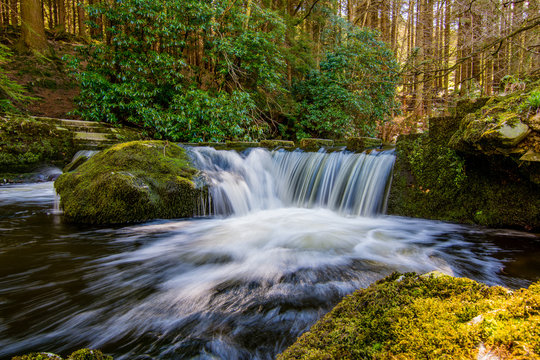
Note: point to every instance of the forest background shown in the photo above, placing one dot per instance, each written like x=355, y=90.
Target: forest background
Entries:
x=248, y=69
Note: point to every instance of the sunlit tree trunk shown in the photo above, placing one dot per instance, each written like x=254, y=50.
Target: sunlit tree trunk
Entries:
x=33, y=30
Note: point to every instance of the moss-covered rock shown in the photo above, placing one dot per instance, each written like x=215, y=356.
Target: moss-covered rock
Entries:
x=130, y=182
x=500, y=126
x=38, y=356
x=88, y=354
x=362, y=143
x=273, y=144
x=27, y=143
x=83, y=354
x=310, y=144
x=433, y=181
x=478, y=168
x=426, y=317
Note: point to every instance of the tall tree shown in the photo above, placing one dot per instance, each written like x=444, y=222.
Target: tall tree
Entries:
x=33, y=29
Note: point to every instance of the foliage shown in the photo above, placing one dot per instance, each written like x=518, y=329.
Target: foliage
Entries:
x=9, y=90
x=352, y=91
x=173, y=68
x=213, y=70
x=532, y=102
x=424, y=317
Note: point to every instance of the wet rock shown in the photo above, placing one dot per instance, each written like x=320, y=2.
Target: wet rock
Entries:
x=38, y=356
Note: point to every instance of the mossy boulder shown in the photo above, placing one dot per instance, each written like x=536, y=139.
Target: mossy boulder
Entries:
x=83, y=354
x=433, y=316
x=130, y=182
x=505, y=125
x=311, y=144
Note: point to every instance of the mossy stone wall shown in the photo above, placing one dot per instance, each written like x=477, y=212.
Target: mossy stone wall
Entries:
x=436, y=179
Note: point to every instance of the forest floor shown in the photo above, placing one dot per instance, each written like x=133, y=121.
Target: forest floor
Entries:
x=44, y=77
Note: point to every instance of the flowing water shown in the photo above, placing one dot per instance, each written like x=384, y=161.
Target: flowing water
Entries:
x=291, y=234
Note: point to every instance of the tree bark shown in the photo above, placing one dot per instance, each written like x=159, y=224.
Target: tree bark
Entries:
x=33, y=29
x=14, y=12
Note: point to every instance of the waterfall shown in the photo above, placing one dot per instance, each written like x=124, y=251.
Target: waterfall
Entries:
x=349, y=183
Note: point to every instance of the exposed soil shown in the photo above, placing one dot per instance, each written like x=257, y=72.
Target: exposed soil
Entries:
x=45, y=77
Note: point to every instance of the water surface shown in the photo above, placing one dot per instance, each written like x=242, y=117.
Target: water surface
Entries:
x=237, y=287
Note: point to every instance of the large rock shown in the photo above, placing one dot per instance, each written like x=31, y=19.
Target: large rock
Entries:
x=130, y=182
x=427, y=317
x=502, y=126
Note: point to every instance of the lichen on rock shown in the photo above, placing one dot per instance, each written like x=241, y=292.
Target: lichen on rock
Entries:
x=130, y=182
x=426, y=317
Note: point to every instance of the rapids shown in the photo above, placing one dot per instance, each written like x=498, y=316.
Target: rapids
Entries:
x=286, y=241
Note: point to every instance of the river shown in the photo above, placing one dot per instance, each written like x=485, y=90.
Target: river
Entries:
x=240, y=284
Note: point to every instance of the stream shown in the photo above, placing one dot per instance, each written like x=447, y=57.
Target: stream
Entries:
x=236, y=285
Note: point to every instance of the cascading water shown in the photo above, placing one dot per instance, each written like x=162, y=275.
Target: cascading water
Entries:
x=349, y=183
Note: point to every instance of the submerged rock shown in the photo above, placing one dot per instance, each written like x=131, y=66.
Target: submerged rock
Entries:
x=130, y=182
x=426, y=317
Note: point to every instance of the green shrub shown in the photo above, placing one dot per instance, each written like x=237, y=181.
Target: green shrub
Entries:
x=353, y=90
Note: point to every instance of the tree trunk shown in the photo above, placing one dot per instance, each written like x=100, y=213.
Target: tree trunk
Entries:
x=61, y=15
x=14, y=12
x=33, y=29
x=82, y=19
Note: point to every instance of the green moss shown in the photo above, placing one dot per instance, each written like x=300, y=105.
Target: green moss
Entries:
x=433, y=181
x=362, y=143
x=37, y=356
x=130, y=182
x=83, y=354
x=425, y=317
x=87, y=354
x=315, y=144
x=486, y=130
x=273, y=144
x=26, y=143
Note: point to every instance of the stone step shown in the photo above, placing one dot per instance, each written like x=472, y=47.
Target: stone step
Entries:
x=67, y=122
x=93, y=136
